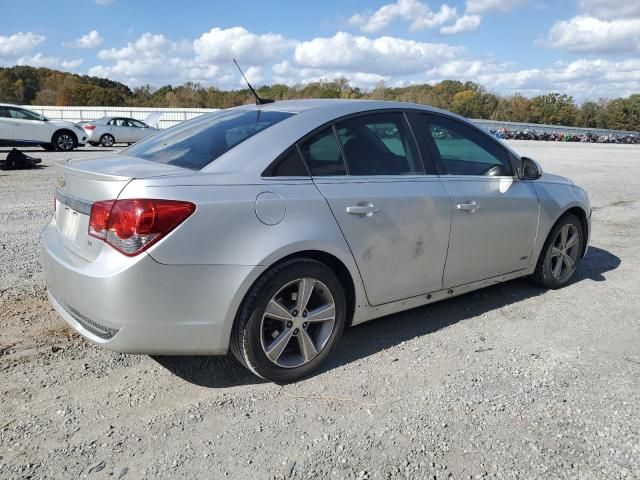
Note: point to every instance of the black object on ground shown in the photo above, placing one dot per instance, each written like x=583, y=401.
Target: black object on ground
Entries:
x=16, y=160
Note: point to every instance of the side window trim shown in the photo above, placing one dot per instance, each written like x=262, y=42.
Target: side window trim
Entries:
x=429, y=164
x=345, y=161
x=479, y=131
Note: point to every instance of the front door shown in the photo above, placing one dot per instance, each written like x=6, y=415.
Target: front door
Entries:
x=494, y=214
x=28, y=126
x=394, y=216
x=6, y=125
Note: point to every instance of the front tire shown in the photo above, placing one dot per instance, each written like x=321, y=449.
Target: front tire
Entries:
x=107, y=140
x=290, y=321
x=561, y=253
x=64, y=141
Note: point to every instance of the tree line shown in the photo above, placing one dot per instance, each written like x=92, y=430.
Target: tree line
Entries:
x=42, y=86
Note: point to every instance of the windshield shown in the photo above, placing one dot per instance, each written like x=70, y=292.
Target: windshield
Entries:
x=196, y=143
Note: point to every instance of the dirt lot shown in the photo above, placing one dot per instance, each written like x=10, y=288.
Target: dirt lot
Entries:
x=507, y=382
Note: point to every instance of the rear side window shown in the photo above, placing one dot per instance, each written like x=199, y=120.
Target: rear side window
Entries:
x=196, y=143
x=379, y=144
x=323, y=154
x=4, y=113
x=289, y=165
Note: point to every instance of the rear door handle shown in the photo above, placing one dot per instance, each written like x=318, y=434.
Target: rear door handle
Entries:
x=367, y=210
x=470, y=207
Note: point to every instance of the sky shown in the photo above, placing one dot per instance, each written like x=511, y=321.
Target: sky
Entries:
x=586, y=48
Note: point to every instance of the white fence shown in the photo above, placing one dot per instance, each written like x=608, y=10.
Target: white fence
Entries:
x=170, y=116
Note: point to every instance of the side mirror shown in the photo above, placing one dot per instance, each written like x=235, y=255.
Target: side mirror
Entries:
x=42, y=118
x=530, y=169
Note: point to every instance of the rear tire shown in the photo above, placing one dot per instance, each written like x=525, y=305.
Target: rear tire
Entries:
x=107, y=140
x=561, y=253
x=276, y=341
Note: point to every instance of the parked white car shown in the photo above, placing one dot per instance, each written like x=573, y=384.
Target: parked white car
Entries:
x=107, y=131
x=21, y=127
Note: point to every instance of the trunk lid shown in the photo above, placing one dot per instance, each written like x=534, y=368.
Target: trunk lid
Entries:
x=79, y=183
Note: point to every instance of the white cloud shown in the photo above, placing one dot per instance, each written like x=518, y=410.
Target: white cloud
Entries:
x=588, y=34
x=418, y=14
x=149, y=45
x=483, y=6
x=40, y=60
x=221, y=45
x=466, y=23
x=382, y=55
x=104, y=3
x=583, y=78
x=19, y=43
x=607, y=10
x=90, y=40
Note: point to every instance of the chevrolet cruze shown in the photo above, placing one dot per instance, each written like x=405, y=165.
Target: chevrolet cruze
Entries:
x=268, y=229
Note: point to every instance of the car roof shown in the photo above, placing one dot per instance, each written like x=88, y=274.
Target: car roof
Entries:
x=304, y=105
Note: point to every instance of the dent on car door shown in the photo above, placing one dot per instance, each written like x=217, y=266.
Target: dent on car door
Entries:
x=494, y=214
x=394, y=217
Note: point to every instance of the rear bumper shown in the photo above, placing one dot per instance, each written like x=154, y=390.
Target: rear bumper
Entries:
x=137, y=305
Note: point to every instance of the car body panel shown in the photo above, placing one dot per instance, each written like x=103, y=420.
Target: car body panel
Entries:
x=405, y=239
x=481, y=244
x=193, y=281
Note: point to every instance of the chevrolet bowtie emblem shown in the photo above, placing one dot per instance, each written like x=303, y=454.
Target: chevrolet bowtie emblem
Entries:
x=60, y=181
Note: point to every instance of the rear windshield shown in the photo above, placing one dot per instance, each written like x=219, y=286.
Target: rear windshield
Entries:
x=196, y=143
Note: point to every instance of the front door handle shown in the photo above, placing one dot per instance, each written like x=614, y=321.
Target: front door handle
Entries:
x=365, y=209
x=470, y=207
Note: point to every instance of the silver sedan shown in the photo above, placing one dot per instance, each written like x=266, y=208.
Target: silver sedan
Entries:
x=269, y=229
x=107, y=131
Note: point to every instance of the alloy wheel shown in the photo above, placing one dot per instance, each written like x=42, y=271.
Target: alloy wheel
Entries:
x=564, y=252
x=298, y=322
x=65, y=142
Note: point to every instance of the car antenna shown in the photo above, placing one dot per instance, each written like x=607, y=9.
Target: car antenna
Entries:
x=259, y=101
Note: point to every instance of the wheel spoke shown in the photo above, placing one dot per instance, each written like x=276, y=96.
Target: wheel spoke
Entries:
x=305, y=289
x=573, y=239
x=307, y=347
x=569, y=262
x=275, y=349
x=555, y=252
x=557, y=269
x=276, y=310
x=322, y=314
x=564, y=233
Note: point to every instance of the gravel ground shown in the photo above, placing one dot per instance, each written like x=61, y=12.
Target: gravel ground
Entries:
x=508, y=382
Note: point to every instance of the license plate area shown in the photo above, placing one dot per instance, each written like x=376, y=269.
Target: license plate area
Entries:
x=68, y=222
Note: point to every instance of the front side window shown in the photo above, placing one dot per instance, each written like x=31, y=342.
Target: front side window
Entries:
x=379, y=144
x=464, y=151
x=323, y=154
x=196, y=143
x=20, y=114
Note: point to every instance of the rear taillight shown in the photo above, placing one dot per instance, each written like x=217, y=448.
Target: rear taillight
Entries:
x=133, y=225
x=89, y=127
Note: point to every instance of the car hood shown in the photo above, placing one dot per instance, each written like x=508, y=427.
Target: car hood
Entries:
x=64, y=123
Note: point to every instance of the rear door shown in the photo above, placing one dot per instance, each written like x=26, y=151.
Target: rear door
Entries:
x=393, y=213
x=494, y=214
x=137, y=129
x=6, y=125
